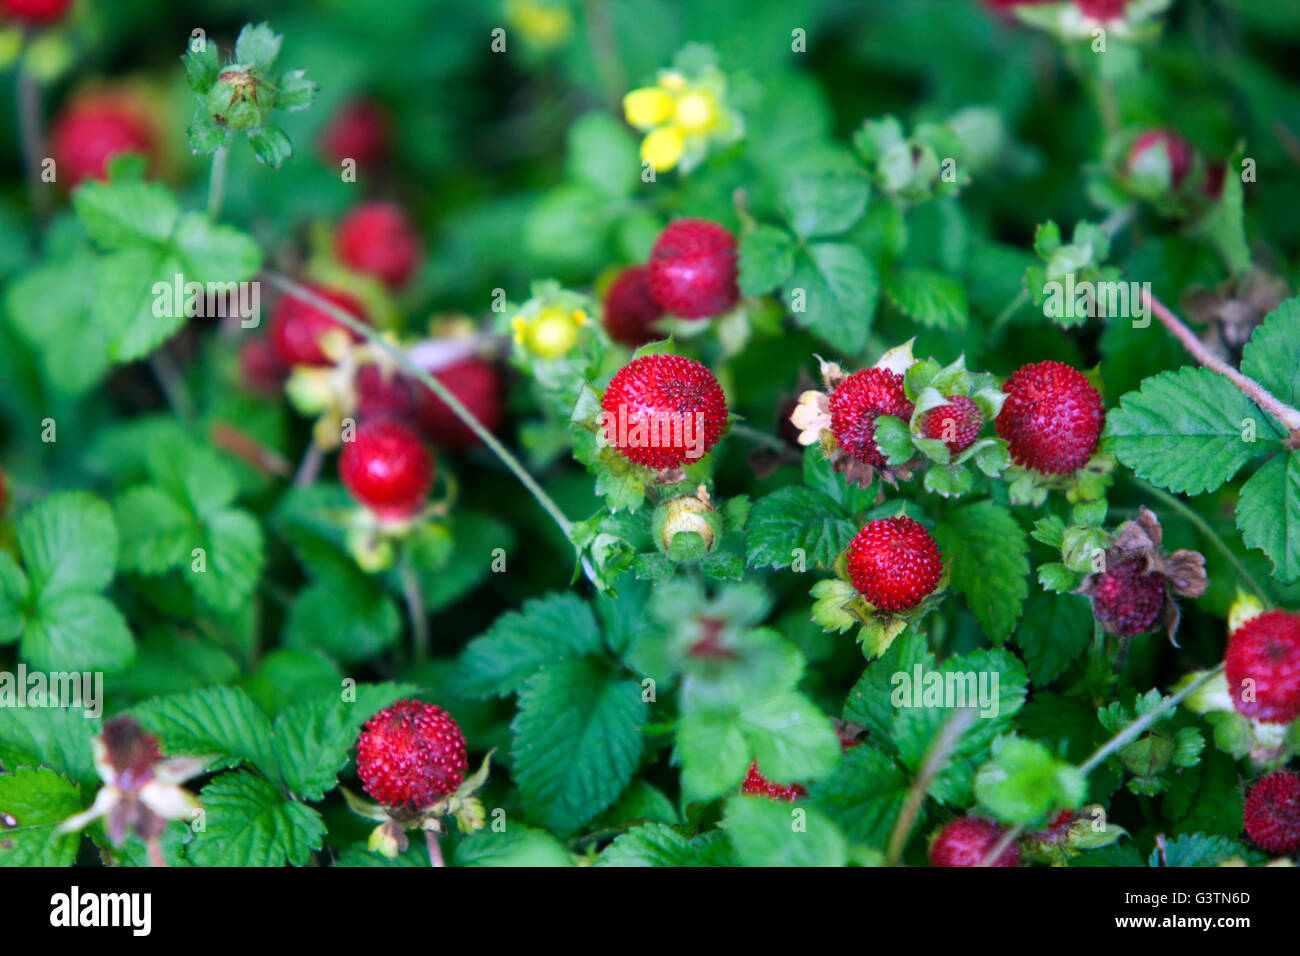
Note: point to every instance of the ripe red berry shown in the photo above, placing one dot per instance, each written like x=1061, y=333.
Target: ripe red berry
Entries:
x=1102, y=9
x=663, y=410
x=260, y=368
x=1176, y=148
x=92, y=130
x=630, y=307
x=1127, y=598
x=34, y=11
x=410, y=754
x=894, y=563
x=387, y=468
x=758, y=785
x=1051, y=418
x=956, y=424
x=297, y=326
x=377, y=239
x=857, y=401
x=1266, y=651
x=383, y=393
x=476, y=385
x=967, y=840
x=1272, y=813
x=360, y=131
x=693, y=269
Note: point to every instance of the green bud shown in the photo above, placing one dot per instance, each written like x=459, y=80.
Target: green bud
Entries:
x=686, y=514
x=239, y=99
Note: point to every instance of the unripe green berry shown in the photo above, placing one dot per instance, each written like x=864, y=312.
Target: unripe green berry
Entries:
x=687, y=513
x=239, y=99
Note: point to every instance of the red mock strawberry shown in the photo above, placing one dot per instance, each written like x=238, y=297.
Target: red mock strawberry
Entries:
x=360, y=131
x=387, y=468
x=1051, y=419
x=664, y=410
x=378, y=239
x=630, y=308
x=967, y=840
x=260, y=369
x=693, y=269
x=758, y=785
x=476, y=385
x=1102, y=9
x=1127, y=597
x=894, y=563
x=956, y=424
x=1262, y=667
x=34, y=11
x=857, y=401
x=1176, y=148
x=384, y=394
x=410, y=754
x=1272, y=813
x=93, y=129
x=297, y=327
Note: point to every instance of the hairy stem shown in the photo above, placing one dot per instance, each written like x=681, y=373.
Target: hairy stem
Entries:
x=217, y=181
x=1284, y=413
x=415, y=611
x=299, y=291
x=944, y=742
x=1203, y=526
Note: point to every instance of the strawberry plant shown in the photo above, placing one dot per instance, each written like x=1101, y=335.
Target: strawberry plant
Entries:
x=739, y=434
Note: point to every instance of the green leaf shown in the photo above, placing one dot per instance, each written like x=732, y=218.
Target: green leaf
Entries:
x=1268, y=514
x=311, y=741
x=766, y=259
x=258, y=46
x=271, y=145
x=796, y=518
x=517, y=845
x=348, y=617
x=215, y=253
x=68, y=543
x=602, y=153
x=576, y=742
x=711, y=751
x=124, y=300
x=32, y=804
x=233, y=540
x=202, y=66
x=205, y=134
x=864, y=794
x=54, y=737
x=297, y=91
x=223, y=721
x=49, y=307
x=870, y=703
x=1023, y=782
x=1272, y=356
x=988, y=555
x=827, y=204
x=159, y=532
x=125, y=215
x=654, y=845
x=77, y=631
x=773, y=833
x=1053, y=633
x=546, y=630
x=930, y=298
x=1196, y=849
x=1188, y=431
x=14, y=590
x=250, y=822
x=789, y=737
x=833, y=294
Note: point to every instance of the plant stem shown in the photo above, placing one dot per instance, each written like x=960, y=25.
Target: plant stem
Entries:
x=309, y=467
x=415, y=611
x=33, y=139
x=604, y=50
x=1287, y=415
x=759, y=437
x=944, y=743
x=299, y=291
x=172, y=382
x=435, y=849
x=217, y=180
x=1135, y=729
x=1012, y=308
x=1204, y=528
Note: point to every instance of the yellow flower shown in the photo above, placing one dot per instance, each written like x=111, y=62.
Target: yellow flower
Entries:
x=551, y=333
x=663, y=147
x=697, y=112
x=672, y=80
x=648, y=106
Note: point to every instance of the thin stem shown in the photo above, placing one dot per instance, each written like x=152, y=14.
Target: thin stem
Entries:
x=299, y=291
x=217, y=180
x=415, y=611
x=944, y=743
x=1204, y=528
x=1000, y=847
x=1287, y=415
x=435, y=849
x=759, y=437
x=156, y=858
x=1135, y=729
x=172, y=382
x=309, y=467
x=1012, y=308
x=33, y=139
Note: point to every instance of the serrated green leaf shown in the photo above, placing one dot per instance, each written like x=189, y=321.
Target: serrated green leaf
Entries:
x=576, y=741
x=212, y=253
x=159, y=533
x=54, y=737
x=930, y=298
x=773, y=833
x=833, y=294
x=819, y=205
x=517, y=845
x=258, y=46
x=1268, y=514
x=202, y=66
x=870, y=702
x=654, y=845
x=296, y=91
x=864, y=794
x=796, y=518
x=124, y=300
x=348, y=617
x=33, y=803
x=1053, y=633
x=271, y=145
x=988, y=555
x=233, y=540
x=223, y=721
x=1272, y=356
x=711, y=751
x=1024, y=782
x=250, y=822
x=77, y=631
x=1188, y=430
x=124, y=215
x=1195, y=849
x=69, y=543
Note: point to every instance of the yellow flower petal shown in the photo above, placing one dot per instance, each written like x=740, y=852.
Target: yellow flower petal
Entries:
x=647, y=107
x=697, y=111
x=663, y=147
